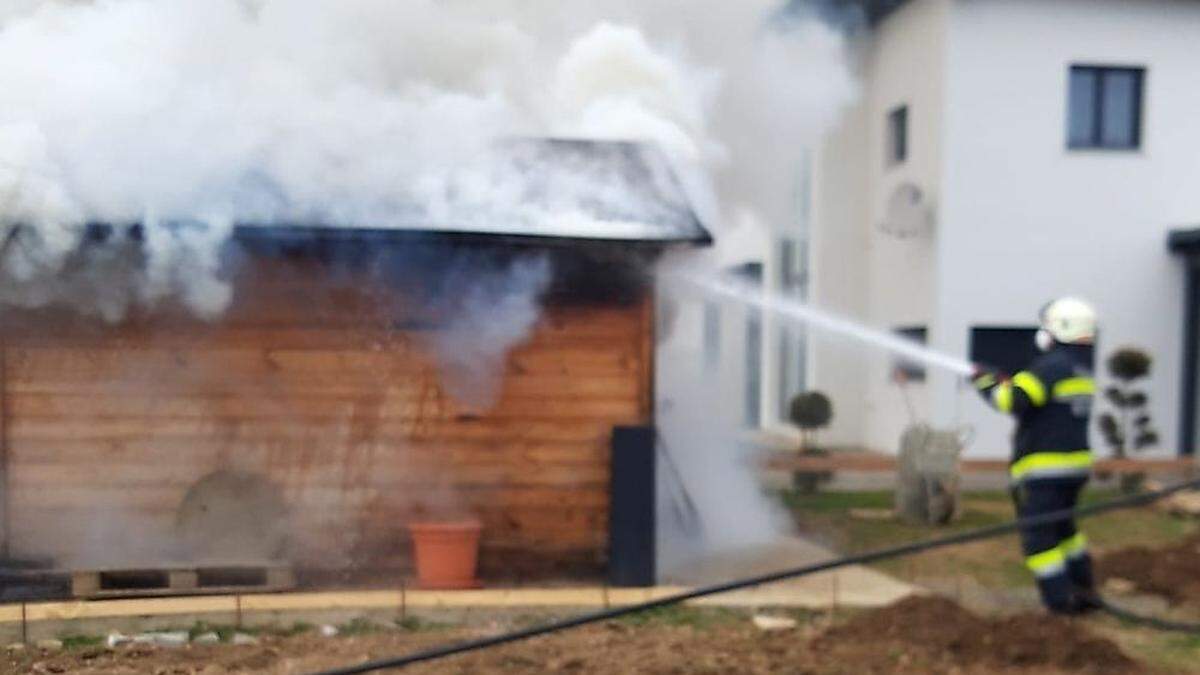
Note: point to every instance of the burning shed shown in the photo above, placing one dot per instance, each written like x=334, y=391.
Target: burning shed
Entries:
x=473, y=359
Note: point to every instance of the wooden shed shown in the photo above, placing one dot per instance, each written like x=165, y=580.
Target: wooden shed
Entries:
x=312, y=420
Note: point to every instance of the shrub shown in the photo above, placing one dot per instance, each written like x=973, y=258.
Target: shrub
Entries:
x=810, y=411
x=1128, y=428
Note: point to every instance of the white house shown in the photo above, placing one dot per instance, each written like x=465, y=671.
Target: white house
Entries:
x=1003, y=153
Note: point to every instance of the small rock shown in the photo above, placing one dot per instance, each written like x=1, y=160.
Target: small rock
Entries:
x=1118, y=586
x=50, y=645
x=209, y=638
x=770, y=623
x=328, y=631
x=872, y=514
x=170, y=639
x=243, y=639
x=15, y=647
x=115, y=639
x=1184, y=504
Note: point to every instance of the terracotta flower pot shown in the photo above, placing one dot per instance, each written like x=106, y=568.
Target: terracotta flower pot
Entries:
x=447, y=553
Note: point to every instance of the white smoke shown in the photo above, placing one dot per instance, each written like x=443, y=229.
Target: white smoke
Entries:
x=190, y=115
x=491, y=312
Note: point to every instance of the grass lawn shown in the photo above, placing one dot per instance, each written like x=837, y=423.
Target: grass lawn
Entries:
x=995, y=564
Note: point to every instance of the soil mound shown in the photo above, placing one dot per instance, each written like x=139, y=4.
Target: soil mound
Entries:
x=1169, y=572
x=941, y=634
x=914, y=637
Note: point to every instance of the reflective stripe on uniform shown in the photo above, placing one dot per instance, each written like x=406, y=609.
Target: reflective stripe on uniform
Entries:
x=1074, y=547
x=1032, y=386
x=1051, y=464
x=1074, y=386
x=1002, y=397
x=1047, y=563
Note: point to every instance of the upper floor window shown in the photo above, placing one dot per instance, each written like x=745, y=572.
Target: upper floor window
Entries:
x=897, y=135
x=1104, y=108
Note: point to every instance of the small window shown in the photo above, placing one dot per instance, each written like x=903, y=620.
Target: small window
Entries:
x=752, y=402
x=712, y=335
x=907, y=370
x=1104, y=108
x=897, y=136
x=1008, y=349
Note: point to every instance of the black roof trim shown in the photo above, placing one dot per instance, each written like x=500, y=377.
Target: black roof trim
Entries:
x=873, y=11
x=318, y=234
x=299, y=235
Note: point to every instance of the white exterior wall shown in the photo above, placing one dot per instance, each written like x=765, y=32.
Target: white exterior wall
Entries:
x=837, y=240
x=857, y=270
x=1023, y=219
x=1020, y=219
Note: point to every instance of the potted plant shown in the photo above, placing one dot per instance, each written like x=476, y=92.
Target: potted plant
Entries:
x=446, y=552
x=810, y=412
x=1130, y=428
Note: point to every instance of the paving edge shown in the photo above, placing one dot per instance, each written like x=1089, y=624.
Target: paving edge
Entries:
x=399, y=599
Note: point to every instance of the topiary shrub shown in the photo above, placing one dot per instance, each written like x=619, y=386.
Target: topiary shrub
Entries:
x=1128, y=428
x=810, y=412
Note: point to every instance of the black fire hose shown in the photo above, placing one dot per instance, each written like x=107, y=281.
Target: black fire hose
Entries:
x=988, y=532
x=1148, y=621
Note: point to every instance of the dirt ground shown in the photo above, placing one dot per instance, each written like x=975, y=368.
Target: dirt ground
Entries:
x=1168, y=571
x=918, y=635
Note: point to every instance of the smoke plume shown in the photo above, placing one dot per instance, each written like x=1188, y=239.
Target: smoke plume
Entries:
x=490, y=312
x=188, y=116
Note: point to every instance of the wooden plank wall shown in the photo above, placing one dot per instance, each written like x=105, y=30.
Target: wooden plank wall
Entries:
x=304, y=383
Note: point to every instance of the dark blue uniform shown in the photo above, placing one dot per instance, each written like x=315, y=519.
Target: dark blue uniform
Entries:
x=1051, y=463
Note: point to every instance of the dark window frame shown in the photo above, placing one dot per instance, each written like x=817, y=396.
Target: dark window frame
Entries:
x=897, y=136
x=1008, y=348
x=910, y=370
x=1190, y=389
x=753, y=351
x=1096, y=139
x=711, y=339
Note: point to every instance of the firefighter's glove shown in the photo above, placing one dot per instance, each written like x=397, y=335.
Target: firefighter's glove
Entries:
x=984, y=378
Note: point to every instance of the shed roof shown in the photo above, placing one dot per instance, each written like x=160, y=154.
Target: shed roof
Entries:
x=542, y=189
x=535, y=191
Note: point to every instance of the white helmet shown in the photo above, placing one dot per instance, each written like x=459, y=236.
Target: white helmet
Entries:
x=1069, y=321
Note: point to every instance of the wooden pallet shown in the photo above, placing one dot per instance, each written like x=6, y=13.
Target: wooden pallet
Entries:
x=149, y=581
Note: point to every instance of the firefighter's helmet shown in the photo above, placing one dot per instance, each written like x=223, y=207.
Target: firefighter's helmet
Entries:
x=1069, y=321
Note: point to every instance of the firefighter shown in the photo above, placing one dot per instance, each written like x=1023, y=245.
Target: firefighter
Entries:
x=1051, y=462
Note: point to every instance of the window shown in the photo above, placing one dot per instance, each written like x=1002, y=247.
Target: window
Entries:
x=897, y=136
x=1104, y=108
x=791, y=341
x=1009, y=349
x=752, y=394
x=907, y=369
x=712, y=336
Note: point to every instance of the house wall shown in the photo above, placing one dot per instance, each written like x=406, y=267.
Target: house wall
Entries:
x=858, y=270
x=330, y=391
x=1025, y=220
x=1020, y=219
